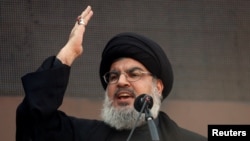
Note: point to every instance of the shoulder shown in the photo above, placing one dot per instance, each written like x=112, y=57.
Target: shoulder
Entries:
x=173, y=129
x=88, y=129
x=86, y=124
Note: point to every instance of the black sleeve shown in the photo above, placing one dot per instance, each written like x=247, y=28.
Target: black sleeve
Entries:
x=37, y=117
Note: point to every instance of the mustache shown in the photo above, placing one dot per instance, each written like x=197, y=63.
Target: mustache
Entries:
x=126, y=90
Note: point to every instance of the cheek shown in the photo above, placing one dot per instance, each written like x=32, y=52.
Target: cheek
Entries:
x=142, y=88
x=110, y=91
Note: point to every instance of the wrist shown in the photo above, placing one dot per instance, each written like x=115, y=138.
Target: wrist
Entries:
x=66, y=56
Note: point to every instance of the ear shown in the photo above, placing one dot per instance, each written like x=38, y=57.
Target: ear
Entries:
x=160, y=86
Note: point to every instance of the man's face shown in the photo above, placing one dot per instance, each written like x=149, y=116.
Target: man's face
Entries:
x=124, y=91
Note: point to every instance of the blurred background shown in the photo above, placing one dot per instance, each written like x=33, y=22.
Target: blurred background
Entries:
x=207, y=42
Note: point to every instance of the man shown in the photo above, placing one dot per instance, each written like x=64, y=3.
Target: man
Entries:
x=131, y=65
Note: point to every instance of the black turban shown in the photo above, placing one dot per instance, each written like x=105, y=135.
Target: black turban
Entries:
x=142, y=49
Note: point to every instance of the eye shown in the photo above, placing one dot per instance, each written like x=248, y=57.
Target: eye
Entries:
x=113, y=76
x=134, y=73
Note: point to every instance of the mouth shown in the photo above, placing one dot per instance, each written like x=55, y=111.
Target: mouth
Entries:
x=124, y=94
x=124, y=98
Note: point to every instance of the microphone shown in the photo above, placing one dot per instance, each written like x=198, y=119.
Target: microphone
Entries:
x=141, y=100
x=143, y=103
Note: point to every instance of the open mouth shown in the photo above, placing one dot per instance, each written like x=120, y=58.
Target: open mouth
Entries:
x=124, y=96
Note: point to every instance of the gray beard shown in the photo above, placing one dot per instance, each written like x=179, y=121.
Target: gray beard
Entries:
x=126, y=117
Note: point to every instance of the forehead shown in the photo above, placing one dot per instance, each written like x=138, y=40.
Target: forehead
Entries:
x=126, y=63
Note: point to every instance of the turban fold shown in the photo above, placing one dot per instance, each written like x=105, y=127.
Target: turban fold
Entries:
x=142, y=49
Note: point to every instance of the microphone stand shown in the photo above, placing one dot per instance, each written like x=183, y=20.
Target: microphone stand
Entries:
x=150, y=121
x=132, y=131
x=151, y=125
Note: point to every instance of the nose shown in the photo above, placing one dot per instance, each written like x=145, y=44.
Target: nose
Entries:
x=123, y=80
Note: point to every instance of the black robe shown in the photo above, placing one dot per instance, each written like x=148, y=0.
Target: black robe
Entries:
x=38, y=117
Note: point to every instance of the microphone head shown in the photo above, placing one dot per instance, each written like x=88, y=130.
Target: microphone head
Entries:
x=141, y=99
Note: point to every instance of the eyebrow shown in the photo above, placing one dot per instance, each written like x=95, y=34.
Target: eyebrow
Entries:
x=133, y=69
x=130, y=69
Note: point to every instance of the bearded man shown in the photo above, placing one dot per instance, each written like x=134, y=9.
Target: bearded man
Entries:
x=131, y=65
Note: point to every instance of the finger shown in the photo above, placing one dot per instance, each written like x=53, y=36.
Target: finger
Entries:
x=85, y=16
x=86, y=11
x=88, y=17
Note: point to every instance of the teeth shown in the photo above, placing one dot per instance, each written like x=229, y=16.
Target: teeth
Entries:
x=124, y=95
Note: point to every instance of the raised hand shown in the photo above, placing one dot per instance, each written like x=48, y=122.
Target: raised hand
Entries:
x=74, y=46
